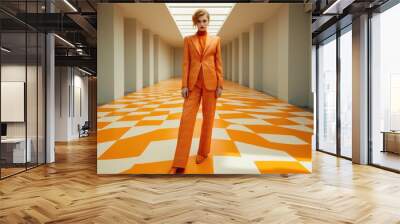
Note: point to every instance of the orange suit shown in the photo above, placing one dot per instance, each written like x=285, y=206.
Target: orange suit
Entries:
x=202, y=75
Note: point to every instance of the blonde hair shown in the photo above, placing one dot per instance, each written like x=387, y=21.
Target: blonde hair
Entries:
x=199, y=13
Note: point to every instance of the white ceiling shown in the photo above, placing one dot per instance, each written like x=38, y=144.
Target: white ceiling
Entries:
x=243, y=15
x=157, y=18
x=182, y=14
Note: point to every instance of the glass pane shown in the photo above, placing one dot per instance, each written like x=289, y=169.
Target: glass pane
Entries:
x=32, y=88
x=31, y=98
x=23, y=90
x=386, y=89
x=327, y=96
x=13, y=87
x=346, y=94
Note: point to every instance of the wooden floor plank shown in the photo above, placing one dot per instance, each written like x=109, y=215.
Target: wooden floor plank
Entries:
x=70, y=191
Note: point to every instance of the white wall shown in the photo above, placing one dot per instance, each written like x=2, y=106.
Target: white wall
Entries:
x=15, y=72
x=244, y=59
x=148, y=58
x=165, y=61
x=62, y=98
x=299, y=52
x=119, y=76
x=151, y=58
x=33, y=126
x=67, y=115
x=130, y=55
x=11, y=73
x=224, y=60
x=256, y=56
x=275, y=54
x=229, y=61
x=80, y=118
x=279, y=55
x=156, y=58
x=133, y=51
x=139, y=59
x=235, y=64
x=271, y=49
x=178, y=60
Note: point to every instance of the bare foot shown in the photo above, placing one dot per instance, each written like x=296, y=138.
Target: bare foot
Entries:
x=200, y=159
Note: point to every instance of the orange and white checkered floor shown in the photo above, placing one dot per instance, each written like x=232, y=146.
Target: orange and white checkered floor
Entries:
x=253, y=133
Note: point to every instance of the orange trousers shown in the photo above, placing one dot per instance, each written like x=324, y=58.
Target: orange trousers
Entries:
x=190, y=108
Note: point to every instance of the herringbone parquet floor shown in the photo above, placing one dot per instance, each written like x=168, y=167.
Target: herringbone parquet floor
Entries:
x=69, y=191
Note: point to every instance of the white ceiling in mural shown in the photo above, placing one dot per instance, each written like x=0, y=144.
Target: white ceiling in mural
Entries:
x=182, y=14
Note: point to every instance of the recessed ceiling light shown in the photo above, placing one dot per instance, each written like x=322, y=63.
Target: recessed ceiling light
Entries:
x=337, y=7
x=84, y=71
x=64, y=40
x=70, y=5
x=5, y=50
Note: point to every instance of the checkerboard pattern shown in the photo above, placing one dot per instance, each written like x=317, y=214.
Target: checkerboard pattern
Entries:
x=253, y=133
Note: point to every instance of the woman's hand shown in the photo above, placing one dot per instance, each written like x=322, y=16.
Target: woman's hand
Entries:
x=185, y=92
x=218, y=92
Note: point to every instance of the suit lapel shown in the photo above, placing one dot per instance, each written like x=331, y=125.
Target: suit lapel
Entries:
x=208, y=41
x=196, y=43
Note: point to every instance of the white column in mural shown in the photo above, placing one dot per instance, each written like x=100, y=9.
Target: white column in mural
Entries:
x=130, y=39
x=148, y=58
x=156, y=52
x=299, y=56
x=232, y=62
x=110, y=53
x=228, y=61
x=240, y=59
x=236, y=62
x=244, y=59
x=255, y=56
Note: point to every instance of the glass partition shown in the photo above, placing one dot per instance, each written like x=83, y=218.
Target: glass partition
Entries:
x=31, y=97
x=13, y=94
x=346, y=93
x=23, y=91
x=385, y=89
x=327, y=95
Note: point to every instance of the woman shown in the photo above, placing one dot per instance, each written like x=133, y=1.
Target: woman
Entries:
x=202, y=79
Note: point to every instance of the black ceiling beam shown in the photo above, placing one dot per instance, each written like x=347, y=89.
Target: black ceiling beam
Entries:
x=87, y=51
x=330, y=30
x=81, y=61
x=47, y=22
x=162, y=1
x=203, y=1
x=84, y=24
x=91, y=5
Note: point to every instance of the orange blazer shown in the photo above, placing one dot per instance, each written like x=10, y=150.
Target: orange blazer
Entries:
x=211, y=62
